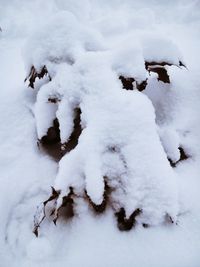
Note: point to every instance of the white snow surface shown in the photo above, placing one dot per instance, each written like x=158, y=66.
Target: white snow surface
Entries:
x=85, y=46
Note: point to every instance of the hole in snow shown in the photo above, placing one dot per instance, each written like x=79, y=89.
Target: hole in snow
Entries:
x=127, y=82
x=100, y=208
x=183, y=156
x=126, y=224
x=51, y=142
x=35, y=74
x=73, y=140
x=130, y=83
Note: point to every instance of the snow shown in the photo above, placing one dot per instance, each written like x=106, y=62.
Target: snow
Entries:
x=127, y=60
x=171, y=143
x=61, y=39
x=105, y=108
x=104, y=41
x=156, y=48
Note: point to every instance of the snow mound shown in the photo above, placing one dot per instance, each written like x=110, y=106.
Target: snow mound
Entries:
x=118, y=146
x=62, y=39
x=85, y=130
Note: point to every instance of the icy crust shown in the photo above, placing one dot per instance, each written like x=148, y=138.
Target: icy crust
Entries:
x=119, y=147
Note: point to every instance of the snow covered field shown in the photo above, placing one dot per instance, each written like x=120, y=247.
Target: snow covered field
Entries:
x=27, y=173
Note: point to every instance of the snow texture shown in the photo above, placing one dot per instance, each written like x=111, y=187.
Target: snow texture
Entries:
x=114, y=119
x=128, y=139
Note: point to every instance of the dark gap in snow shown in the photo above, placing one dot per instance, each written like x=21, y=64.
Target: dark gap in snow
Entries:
x=34, y=74
x=125, y=224
x=159, y=68
x=173, y=164
x=100, y=208
x=141, y=86
x=65, y=211
x=53, y=134
x=128, y=83
x=162, y=73
x=163, y=63
x=73, y=140
x=53, y=99
x=51, y=142
x=181, y=64
x=154, y=63
x=183, y=156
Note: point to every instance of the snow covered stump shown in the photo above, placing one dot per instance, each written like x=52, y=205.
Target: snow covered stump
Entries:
x=115, y=157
